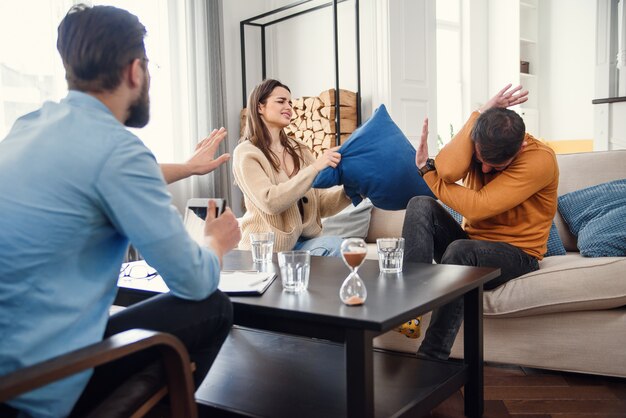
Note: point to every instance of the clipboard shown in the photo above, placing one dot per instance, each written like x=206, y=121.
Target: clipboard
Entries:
x=232, y=282
x=245, y=282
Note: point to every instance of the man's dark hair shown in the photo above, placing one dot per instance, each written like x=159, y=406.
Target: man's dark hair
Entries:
x=498, y=134
x=96, y=44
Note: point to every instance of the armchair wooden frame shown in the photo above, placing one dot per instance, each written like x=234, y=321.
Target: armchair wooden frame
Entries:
x=173, y=353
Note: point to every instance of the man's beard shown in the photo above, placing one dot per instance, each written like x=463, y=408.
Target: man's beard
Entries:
x=139, y=111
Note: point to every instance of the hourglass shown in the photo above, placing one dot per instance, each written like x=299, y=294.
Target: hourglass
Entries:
x=353, y=291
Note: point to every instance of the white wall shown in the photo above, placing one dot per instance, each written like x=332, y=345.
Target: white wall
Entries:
x=303, y=57
x=567, y=64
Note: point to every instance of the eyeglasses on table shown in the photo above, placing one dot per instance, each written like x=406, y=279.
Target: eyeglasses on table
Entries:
x=130, y=272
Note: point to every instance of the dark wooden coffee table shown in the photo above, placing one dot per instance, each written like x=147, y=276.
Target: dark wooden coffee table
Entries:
x=318, y=359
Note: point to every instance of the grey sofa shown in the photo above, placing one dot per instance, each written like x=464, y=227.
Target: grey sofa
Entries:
x=569, y=315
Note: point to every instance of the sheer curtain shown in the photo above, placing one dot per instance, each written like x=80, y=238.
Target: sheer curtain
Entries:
x=197, y=91
x=206, y=87
x=185, y=44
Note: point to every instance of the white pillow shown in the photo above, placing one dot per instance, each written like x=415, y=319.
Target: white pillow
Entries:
x=352, y=222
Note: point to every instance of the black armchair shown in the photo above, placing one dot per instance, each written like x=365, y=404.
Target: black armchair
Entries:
x=173, y=374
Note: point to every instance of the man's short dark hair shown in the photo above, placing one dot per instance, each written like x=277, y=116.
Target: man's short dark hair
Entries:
x=498, y=134
x=96, y=44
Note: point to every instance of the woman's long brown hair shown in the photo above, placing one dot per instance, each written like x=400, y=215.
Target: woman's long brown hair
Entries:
x=256, y=131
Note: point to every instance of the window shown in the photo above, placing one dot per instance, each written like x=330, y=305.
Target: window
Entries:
x=31, y=70
x=449, y=70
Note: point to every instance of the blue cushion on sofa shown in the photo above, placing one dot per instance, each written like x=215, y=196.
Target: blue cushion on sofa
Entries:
x=597, y=216
x=377, y=162
x=555, y=245
x=456, y=215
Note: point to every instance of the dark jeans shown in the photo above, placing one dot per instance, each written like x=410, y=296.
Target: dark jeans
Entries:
x=431, y=233
x=202, y=326
x=8, y=412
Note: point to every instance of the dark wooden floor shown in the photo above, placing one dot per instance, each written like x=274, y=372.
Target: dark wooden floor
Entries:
x=519, y=392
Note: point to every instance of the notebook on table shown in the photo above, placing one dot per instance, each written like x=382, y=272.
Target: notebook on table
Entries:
x=138, y=275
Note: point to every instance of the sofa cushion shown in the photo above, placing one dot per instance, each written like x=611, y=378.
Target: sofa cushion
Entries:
x=352, y=222
x=378, y=162
x=555, y=245
x=582, y=170
x=562, y=284
x=385, y=223
x=596, y=216
x=456, y=215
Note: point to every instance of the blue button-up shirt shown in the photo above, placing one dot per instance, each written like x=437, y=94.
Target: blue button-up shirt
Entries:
x=75, y=187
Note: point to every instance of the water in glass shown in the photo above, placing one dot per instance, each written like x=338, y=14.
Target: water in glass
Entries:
x=262, y=245
x=295, y=277
x=390, y=260
x=262, y=251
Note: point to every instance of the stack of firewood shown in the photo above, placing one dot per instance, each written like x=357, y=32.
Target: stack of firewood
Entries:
x=313, y=120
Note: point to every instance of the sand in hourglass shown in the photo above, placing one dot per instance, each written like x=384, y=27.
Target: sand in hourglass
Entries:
x=354, y=259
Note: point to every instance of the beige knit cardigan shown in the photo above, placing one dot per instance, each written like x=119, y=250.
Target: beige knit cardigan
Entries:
x=271, y=198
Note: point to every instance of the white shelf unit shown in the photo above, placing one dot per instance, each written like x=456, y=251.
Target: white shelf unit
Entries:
x=513, y=38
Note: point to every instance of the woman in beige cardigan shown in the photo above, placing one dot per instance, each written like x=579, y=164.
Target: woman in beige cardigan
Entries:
x=275, y=174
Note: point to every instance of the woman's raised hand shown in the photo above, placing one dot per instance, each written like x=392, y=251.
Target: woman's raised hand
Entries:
x=329, y=158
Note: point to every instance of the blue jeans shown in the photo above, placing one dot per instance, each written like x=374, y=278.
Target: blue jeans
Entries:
x=324, y=245
x=430, y=233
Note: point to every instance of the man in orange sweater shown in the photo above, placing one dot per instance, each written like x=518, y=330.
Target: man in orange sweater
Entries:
x=508, y=199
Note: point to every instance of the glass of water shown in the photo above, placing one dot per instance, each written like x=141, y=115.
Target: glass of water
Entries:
x=390, y=254
x=294, y=270
x=262, y=244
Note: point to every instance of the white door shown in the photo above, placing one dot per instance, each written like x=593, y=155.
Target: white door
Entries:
x=406, y=65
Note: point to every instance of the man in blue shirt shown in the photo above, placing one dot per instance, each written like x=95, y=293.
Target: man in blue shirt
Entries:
x=75, y=188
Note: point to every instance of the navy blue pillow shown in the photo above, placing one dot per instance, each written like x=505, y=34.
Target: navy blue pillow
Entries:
x=597, y=216
x=377, y=162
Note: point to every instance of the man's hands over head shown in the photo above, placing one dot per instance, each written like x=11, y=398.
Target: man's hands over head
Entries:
x=506, y=97
x=222, y=233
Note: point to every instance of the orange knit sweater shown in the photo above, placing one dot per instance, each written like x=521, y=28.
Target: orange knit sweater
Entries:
x=516, y=205
x=271, y=198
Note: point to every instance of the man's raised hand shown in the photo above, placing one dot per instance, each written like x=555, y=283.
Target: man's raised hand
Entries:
x=421, y=152
x=506, y=97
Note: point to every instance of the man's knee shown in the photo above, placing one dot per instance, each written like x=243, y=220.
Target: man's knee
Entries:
x=218, y=303
x=460, y=252
x=420, y=204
